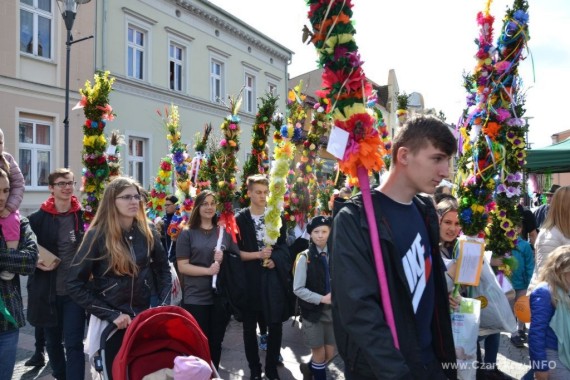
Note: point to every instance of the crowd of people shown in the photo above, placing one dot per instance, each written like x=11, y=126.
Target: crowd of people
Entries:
x=389, y=321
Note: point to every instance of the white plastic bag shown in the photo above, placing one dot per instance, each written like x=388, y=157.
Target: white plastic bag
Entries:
x=465, y=328
x=496, y=312
x=176, y=291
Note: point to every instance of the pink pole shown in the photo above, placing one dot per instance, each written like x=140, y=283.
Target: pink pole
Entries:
x=377, y=250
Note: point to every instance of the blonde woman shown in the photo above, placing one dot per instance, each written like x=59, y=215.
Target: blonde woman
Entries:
x=555, y=231
x=550, y=313
x=109, y=276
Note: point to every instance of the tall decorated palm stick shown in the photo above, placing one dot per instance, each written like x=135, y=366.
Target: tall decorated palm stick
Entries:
x=179, y=157
x=284, y=151
x=506, y=105
x=258, y=160
x=160, y=189
x=345, y=87
x=227, y=167
x=95, y=104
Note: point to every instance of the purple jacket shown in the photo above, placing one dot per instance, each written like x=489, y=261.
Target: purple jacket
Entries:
x=17, y=183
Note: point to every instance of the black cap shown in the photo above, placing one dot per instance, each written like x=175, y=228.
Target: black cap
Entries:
x=318, y=221
x=552, y=190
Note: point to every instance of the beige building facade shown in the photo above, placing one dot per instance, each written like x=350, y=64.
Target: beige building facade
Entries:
x=32, y=88
x=184, y=52
x=189, y=53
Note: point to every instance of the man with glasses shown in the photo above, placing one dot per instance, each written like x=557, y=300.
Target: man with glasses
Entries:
x=58, y=225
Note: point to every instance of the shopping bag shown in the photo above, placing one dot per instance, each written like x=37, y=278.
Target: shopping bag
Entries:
x=465, y=328
x=496, y=312
x=176, y=290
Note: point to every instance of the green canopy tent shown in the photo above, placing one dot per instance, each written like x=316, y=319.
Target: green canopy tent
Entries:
x=554, y=158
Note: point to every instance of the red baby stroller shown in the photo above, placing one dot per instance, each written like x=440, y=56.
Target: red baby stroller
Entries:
x=154, y=338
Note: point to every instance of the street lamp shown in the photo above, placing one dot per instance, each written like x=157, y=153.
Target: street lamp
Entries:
x=68, y=9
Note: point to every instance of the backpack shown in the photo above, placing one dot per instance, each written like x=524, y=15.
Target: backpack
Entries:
x=297, y=308
x=231, y=284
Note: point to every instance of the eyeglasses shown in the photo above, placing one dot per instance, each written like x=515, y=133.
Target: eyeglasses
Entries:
x=128, y=198
x=169, y=204
x=61, y=185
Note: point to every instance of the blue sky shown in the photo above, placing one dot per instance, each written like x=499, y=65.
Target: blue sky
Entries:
x=430, y=44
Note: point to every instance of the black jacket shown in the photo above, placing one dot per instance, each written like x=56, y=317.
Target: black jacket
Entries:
x=42, y=311
x=315, y=282
x=362, y=335
x=267, y=289
x=106, y=295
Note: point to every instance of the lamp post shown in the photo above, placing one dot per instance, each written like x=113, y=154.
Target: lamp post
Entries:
x=68, y=9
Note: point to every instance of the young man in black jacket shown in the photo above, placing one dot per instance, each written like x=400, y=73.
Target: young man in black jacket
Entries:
x=58, y=225
x=266, y=285
x=409, y=236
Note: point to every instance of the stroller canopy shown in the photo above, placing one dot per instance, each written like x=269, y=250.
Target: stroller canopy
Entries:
x=154, y=338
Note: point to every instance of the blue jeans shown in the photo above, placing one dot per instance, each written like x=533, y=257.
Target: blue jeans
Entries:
x=70, y=329
x=8, y=348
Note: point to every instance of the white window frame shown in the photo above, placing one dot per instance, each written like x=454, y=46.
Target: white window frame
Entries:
x=142, y=160
x=272, y=88
x=35, y=149
x=137, y=48
x=180, y=62
x=217, y=98
x=249, y=93
x=36, y=12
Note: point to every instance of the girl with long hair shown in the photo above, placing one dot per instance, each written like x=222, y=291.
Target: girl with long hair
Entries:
x=198, y=261
x=109, y=276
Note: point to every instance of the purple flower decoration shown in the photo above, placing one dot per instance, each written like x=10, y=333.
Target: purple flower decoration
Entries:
x=354, y=59
x=502, y=214
x=515, y=122
x=515, y=177
x=502, y=115
x=511, y=234
x=501, y=188
x=339, y=52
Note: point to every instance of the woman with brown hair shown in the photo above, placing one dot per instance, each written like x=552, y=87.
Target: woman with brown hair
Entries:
x=198, y=261
x=109, y=276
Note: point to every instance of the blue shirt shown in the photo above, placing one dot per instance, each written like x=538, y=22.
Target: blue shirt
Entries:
x=412, y=241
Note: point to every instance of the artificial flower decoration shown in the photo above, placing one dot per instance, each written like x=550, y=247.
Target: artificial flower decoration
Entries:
x=114, y=154
x=301, y=199
x=258, y=160
x=402, y=111
x=95, y=104
x=283, y=154
x=344, y=84
x=226, y=166
x=199, y=154
x=492, y=137
x=179, y=157
x=160, y=189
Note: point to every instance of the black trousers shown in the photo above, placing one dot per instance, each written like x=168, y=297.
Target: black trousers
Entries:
x=112, y=347
x=275, y=334
x=213, y=320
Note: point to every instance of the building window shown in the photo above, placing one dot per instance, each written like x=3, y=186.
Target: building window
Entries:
x=35, y=27
x=176, y=57
x=249, y=93
x=217, y=80
x=35, y=151
x=136, y=52
x=136, y=158
x=272, y=89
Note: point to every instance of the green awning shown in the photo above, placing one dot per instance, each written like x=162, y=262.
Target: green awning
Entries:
x=554, y=158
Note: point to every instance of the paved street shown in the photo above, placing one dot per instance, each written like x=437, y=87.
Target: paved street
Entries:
x=511, y=360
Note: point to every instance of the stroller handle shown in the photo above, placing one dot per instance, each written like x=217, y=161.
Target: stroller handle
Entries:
x=110, y=329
